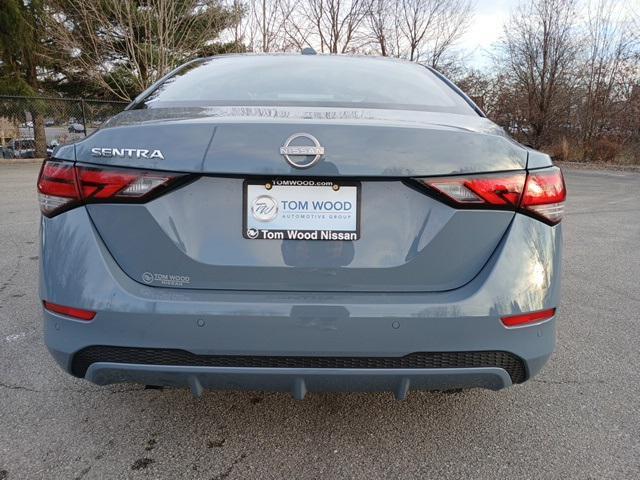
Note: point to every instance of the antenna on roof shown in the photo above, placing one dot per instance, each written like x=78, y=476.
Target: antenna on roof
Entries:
x=308, y=51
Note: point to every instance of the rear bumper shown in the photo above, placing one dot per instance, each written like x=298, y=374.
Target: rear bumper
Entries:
x=521, y=276
x=443, y=370
x=367, y=339
x=300, y=381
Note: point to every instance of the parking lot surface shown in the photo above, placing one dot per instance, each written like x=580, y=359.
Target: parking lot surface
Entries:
x=578, y=419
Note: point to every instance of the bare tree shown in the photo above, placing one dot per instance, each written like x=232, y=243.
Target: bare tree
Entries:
x=538, y=51
x=453, y=21
x=336, y=23
x=481, y=88
x=382, y=22
x=417, y=19
x=430, y=27
x=125, y=45
x=606, y=78
x=420, y=30
x=267, y=24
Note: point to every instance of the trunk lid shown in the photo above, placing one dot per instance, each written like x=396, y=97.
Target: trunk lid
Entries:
x=357, y=143
x=193, y=237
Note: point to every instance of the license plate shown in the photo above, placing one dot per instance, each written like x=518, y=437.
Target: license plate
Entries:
x=308, y=209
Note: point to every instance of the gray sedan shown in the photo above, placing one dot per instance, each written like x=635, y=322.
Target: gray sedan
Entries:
x=301, y=223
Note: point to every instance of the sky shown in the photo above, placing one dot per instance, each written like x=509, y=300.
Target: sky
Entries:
x=490, y=16
x=485, y=29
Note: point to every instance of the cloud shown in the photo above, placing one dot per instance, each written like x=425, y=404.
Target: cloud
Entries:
x=483, y=33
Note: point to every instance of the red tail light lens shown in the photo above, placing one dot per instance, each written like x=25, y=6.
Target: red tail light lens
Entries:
x=57, y=189
x=76, y=313
x=100, y=184
x=528, y=318
x=538, y=193
x=502, y=190
x=544, y=194
x=62, y=185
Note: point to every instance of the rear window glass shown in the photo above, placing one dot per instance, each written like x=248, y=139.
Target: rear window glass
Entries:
x=307, y=81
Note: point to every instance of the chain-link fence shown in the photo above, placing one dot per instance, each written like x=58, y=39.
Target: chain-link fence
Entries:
x=33, y=126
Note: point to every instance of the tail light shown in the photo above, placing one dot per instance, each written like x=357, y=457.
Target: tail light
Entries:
x=538, y=193
x=63, y=185
x=57, y=188
x=496, y=191
x=544, y=195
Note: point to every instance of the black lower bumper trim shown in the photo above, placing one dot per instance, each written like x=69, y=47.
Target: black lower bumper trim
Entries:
x=157, y=356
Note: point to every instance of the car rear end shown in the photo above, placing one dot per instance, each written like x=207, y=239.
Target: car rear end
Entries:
x=242, y=228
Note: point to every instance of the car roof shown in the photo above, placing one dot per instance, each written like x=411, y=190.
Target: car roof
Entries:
x=295, y=55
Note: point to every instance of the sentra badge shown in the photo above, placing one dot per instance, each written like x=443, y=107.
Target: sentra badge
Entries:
x=127, y=153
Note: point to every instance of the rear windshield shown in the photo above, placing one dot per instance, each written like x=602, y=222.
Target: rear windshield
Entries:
x=350, y=82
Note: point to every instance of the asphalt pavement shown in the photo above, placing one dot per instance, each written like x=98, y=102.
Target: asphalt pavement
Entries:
x=578, y=419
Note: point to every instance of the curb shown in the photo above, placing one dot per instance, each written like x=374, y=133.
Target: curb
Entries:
x=598, y=166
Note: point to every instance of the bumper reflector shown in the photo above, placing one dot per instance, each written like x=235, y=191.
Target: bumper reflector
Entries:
x=528, y=318
x=76, y=313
